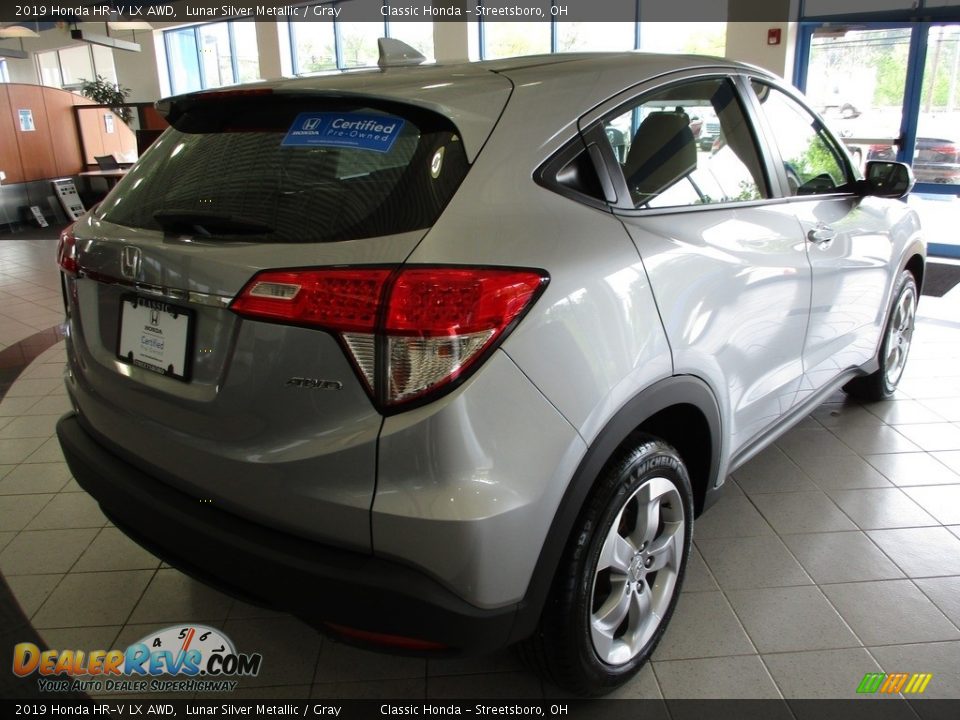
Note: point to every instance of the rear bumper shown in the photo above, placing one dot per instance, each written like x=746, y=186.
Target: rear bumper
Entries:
x=317, y=583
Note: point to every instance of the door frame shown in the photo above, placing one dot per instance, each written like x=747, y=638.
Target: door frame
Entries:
x=916, y=63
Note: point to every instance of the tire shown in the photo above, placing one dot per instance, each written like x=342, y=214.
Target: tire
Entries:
x=598, y=627
x=894, y=348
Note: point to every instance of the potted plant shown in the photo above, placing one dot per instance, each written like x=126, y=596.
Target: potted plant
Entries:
x=104, y=92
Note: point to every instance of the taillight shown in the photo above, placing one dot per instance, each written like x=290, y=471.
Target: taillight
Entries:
x=945, y=151
x=410, y=332
x=67, y=251
x=336, y=299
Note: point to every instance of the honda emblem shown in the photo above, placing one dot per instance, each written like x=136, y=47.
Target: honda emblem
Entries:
x=130, y=262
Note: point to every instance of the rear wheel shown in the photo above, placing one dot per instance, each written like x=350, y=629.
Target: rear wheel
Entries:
x=897, y=338
x=620, y=577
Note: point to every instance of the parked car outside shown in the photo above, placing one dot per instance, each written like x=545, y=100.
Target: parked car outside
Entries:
x=936, y=159
x=420, y=357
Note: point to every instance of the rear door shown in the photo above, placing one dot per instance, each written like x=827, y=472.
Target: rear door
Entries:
x=730, y=277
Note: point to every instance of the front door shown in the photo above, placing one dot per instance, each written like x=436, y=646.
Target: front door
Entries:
x=847, y=239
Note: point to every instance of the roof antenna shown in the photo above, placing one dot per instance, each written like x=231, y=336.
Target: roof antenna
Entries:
x=394, y=53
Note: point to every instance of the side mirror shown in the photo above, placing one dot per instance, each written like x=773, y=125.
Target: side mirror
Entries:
x=888, y=179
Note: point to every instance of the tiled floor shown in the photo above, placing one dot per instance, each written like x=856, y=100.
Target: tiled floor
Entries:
x=834, y=553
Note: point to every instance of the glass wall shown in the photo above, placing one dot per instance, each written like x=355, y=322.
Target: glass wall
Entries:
x=76, y=64
x=183, y=60
x=48, y=63
x=595, y=36
x=418, y=35
x=358, y=43
x=857, y=79
x=212, y=55
x=315, y=48
x=508, y=39
x=318, y=46
x=333, y=45
x=68, y=67
x=937, y=155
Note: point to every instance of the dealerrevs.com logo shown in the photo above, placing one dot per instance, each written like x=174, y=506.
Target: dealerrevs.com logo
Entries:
x=204, y=656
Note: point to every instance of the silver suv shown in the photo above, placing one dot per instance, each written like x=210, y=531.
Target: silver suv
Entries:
x=421, y=357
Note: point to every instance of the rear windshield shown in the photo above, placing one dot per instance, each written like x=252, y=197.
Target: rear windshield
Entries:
x=292, y=170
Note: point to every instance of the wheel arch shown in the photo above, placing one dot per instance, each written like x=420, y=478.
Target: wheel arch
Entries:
x=916, y=266
x=683, y=411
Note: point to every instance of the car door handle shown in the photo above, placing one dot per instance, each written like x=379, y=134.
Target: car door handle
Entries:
x=821, y=234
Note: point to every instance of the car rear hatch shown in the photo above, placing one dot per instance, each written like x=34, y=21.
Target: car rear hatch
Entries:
x=266, y=419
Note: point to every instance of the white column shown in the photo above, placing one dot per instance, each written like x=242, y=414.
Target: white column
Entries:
x=450, y=38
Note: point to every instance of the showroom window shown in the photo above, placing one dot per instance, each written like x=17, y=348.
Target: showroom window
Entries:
x=490, y=40
x=211, y=56
x=508, y=39
x=69, y=67
x=335, y=45
x=595, y=36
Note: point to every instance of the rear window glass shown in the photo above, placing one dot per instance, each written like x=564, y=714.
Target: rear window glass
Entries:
x=292, y=171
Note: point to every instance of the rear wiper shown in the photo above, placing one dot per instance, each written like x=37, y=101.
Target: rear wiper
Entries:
x=209, y=223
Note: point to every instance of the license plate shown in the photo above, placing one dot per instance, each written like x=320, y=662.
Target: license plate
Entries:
x=155, y=335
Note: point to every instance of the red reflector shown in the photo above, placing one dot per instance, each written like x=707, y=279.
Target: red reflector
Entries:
x=384, y=640
x=440, y=302
x=340, y=299
x=67, y=251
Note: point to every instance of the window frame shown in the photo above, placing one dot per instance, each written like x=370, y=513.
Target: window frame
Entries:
x=592, y=129
x=773, y=148
x=295, y=60
x=548, y=5
x=72, y=87
x=338, y=62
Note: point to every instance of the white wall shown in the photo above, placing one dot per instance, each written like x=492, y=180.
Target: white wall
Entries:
x=450, y=39
x=20, y=71
x=138, y=71
x=134, y=70
x=747, y=42
x=271, y=50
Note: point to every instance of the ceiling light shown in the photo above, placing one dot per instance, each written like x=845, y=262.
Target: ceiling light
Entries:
x=130, y=25
x=17, y=31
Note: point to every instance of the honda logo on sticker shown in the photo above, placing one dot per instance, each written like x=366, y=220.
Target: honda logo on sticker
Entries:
x=311, y=124
x=130, y=262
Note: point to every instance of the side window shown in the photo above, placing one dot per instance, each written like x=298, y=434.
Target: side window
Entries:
x=688, y=144
x=810, y=160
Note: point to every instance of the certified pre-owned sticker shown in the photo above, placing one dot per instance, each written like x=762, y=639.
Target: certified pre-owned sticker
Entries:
x=362, y=131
